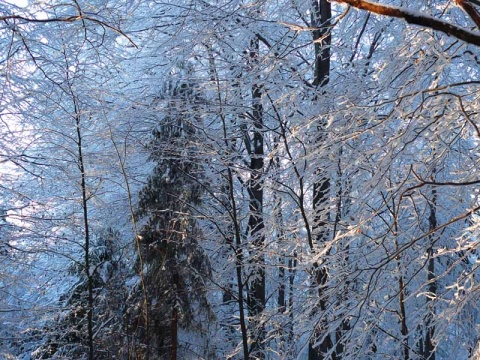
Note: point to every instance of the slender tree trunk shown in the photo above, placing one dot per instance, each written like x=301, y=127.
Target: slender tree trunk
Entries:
x=403, y=313
x=281, y=289
x=86, y=227
x=401, y=291
x=83, y=185
x=279, y=228
x=228, y=300
x=277, y=210
x=429, y=352
x=256, y=293
x=235, y=221
x=122, y=163
x=292, y=268
x=341, y=211
x=281, y=298
x=321, y=16
x=238, y=263
x=238, y=268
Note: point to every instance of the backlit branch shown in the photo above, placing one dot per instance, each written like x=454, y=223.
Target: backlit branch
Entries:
x=416, y=18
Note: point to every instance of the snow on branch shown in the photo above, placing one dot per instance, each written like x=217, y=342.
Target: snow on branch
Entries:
x=35, y=20
x=68, y=19
x=416, y=18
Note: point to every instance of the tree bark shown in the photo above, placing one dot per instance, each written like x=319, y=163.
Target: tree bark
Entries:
x=256, y=293
x=321, y=17
x=429, y=352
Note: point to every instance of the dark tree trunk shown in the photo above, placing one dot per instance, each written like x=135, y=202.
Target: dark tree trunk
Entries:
x=235, y=225
x=342, y=208
x=429, y=352
x=403, y=317
x=256, y=293
x=292, y=266
x=282, y=281
x=401, y=293
x=402, y=314
x=238, y=265
x=321, y=16
x=83, y=185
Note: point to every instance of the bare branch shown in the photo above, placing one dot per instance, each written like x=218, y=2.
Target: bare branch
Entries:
x=68, y=19
x=415, y=18
x=470, y=10
x=47, y=20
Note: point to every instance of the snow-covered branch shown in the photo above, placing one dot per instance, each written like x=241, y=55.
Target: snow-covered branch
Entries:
x=68, y=19
x=416, y=18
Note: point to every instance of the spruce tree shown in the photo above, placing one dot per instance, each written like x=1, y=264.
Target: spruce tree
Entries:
x=174, y=265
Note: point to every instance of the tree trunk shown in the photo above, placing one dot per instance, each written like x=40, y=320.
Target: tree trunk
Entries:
x=401, y=291
x=429, y=352
x=321, y=16
x=83, y=185
x=87, y=245
x=292, y=268
x=403, y=313
x=232, y=209
x=256, y=293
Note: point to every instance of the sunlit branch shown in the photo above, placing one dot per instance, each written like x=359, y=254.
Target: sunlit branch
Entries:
x=415, y=18
x=68, y=19
x=470, y=10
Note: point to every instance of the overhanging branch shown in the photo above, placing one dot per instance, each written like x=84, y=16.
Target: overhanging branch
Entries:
x=470, y=10
x=416, y=18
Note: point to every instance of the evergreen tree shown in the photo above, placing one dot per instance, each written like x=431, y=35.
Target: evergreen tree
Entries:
x=174, y=266
x=65, y=335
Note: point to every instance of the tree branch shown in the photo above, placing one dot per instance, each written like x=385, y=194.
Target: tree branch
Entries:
x=416, y=18
x=470, y=10
x=68, y=19
x=47, y=20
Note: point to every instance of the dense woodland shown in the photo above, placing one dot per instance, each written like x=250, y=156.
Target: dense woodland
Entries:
x=236, y=179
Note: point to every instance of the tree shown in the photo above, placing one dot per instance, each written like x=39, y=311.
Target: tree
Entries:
x=52, y=74
x=176, y=267
x=321, y=18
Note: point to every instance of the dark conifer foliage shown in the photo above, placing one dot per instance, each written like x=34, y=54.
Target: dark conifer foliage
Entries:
x=174, y=265
x=66, y=333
